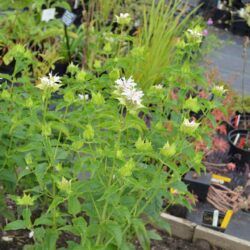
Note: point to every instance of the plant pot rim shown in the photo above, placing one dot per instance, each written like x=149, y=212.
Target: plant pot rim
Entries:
x=238, y=131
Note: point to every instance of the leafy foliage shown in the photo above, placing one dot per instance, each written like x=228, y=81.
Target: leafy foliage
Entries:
x=83, y=163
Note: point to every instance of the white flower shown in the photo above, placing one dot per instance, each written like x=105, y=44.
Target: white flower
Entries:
x=218, y=90
x=31, y=234
x=194, y=33
x=127, y=92
x=159, y=86
x=220, y=5
x=242, y=12
x=123, y=84
x=49, y=83
x=191, y=124
x=133, y=95
x=123, y=18
x=83, y=97
x=189, y=127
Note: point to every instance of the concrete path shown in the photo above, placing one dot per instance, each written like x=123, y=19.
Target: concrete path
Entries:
x=229, y=61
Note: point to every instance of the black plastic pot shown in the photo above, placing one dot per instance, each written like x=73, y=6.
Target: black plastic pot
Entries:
x=235, y=149
x=8, y=69
x=207, y=219
x=221, y=18
x=198, y=184
x=240, y=27
x=178, y=211
x=60, y=68
x=4, y=80
x=244, y=118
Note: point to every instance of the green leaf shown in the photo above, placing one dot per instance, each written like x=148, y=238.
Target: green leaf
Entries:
x=26, y=217
x=7, y=175
x=57, y=200
x=29, y=147
x=39, y=233
x=51, y=237
x=180, y=186
x=115, y=230
x=16, y=225
x=74, y=206
x=60, y=127
x=152, y=234
x=141, y=233
x=40, y=172
x=43, y=220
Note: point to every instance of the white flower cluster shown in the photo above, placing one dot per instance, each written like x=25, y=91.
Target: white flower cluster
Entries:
x=83, y=97
x=195, y=33
x=123, y=18
x=50, y=83
x=242, y=13
x=191, y=124
x=219, y=90
x=128, y=94
x=189, y=127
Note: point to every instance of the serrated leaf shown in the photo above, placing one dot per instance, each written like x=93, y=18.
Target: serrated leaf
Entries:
x=141, y=233
x=180, y=186
x=43, y=220
x=74, y=206
x=153, y=235
x=115, y=230
x=16, y=225
x=60, y=127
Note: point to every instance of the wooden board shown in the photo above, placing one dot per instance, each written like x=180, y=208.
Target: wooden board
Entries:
x=180, y=228
x=225, y=241
x=187, y=230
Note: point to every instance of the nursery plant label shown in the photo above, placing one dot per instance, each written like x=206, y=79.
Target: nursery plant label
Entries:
x=48, y=14
x=76, y=4
x=68, y=18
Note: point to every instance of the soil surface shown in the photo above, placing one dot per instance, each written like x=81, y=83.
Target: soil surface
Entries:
x=171, y=243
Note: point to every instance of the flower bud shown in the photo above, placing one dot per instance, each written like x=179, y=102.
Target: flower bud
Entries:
x=29, y=103
x=26, y=200
x=89, y=133
x=64, y=185
x=168, y=150
x=73, y=69
x=46, y=130
x=5, y=95
x=97, y=99
x=119, y=154
x=143, y=146
x=114, y=74
x=81, y=76
x=127, y=169
x=192, y=104
x=107, y=48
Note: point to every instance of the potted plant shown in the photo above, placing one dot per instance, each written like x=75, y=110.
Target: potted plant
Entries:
x=240, y=144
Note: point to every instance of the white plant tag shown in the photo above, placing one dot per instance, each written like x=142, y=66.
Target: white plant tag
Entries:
x=215, y=218
x=68, y=18
x=76, y=4
x=220, y=5
x=48, y=14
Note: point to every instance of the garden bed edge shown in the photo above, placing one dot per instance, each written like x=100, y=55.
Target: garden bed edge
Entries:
x=188, y=230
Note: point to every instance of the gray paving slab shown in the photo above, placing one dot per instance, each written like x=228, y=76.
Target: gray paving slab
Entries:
x=239, y=225
x=228, y=60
